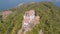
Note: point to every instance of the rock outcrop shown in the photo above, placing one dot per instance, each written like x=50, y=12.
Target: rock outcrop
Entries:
x=29, y=21
x=6, y=13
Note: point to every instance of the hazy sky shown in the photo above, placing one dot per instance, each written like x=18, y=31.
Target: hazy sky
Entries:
x=12, y=3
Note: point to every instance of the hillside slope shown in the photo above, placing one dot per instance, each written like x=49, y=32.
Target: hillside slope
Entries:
x=49, y=19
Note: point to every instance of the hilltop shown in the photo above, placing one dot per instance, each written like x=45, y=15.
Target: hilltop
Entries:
x=49, y=18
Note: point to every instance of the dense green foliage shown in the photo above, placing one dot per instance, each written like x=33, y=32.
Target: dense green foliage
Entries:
x=49, y=19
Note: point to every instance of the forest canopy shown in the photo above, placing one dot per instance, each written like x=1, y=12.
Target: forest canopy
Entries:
x=49, y=18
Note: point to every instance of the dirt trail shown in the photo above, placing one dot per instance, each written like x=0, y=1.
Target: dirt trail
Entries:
x=40, y=32
x=20, y=31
